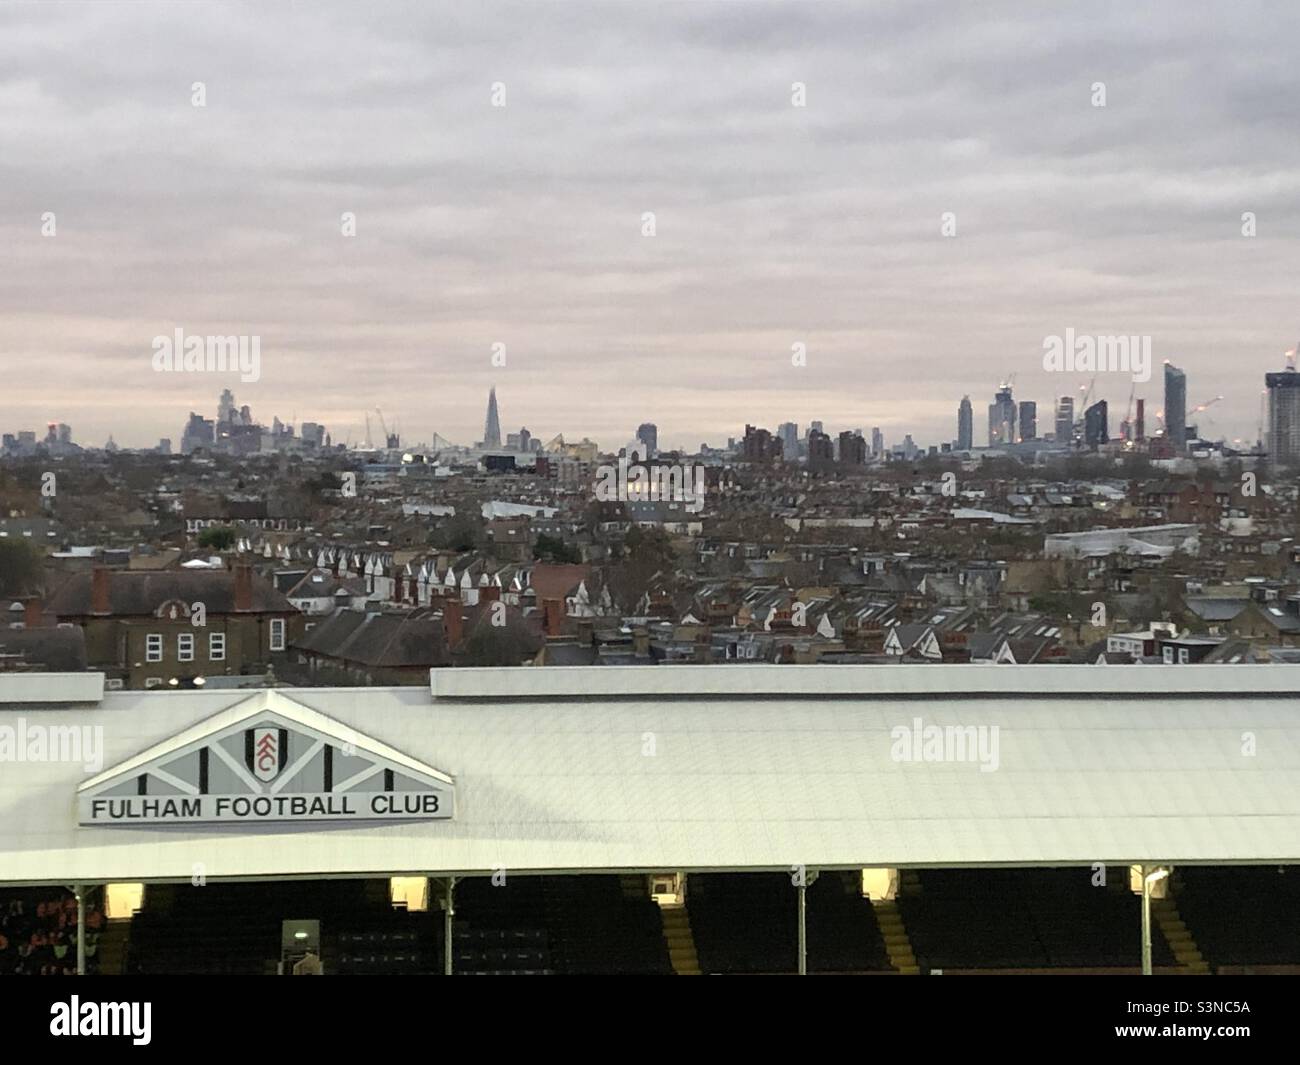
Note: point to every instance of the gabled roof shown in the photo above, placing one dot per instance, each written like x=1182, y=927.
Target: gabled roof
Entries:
x=134, y=594
x=379, y=639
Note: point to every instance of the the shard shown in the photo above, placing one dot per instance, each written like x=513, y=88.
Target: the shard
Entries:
x=492, y=429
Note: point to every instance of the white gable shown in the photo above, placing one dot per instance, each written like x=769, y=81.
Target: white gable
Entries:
x=267, y=758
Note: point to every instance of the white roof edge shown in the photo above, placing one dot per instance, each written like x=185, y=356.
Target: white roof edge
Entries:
x=51, y=688
x=819, y=681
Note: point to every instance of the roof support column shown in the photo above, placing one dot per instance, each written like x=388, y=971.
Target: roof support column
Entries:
x=448, y=912
x=79, y=891
x=1146, y=923
x=802, y=880
x=1151, y=875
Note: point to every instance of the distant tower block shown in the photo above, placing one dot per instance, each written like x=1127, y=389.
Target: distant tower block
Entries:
x=492, y=428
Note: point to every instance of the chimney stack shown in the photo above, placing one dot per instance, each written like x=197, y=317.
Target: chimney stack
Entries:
x=552, y=616
x=243, y=587
x=397, y=585
x=453, y=623
x=33, y=614
x=100, y=577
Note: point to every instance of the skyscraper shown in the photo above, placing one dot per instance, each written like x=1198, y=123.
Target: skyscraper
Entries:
x=1283, y=417
x=492, y=428
x=1175, y=406
x=877, y=442
x=1096, y=430
x=648, y=434
x=1028, y=420
x=1065, y=420
x=789, y=434
x=852, y=449
x=965, y=425
x=1002, y=418
x=821, y=449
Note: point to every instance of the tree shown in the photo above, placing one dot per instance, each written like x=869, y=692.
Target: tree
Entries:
x=461, y=532
x=645, y=552
x=218, y=538
x=553, y=549
x=20, y=568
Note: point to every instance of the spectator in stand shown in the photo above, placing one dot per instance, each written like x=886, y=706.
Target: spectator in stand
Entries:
x=38, y=934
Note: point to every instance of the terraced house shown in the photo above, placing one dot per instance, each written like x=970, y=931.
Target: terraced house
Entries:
x=148, y=630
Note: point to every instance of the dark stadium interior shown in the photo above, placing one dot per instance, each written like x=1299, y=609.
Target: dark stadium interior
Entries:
x=957, y=920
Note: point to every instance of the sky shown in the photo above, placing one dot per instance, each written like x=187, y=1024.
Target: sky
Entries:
x=942, y=194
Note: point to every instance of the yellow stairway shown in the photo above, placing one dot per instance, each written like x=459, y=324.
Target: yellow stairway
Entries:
x=897, y=945
x=111, y=952
x=1186, y=953
x=681, y=944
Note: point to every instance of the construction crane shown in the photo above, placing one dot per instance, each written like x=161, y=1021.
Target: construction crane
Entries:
x=383, y=425
x=1087, y=393
x=1200, y=409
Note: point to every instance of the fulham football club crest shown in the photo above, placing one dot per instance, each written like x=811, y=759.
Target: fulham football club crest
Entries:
x=265, y=752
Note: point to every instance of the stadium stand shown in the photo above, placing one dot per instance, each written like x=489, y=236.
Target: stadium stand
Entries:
x=1242, y=916
x=598, y=930
x=743, y=923
x=747, y=924
x=992, y=862
x=1023, y=919
x=501, y=929
x=956, y=920
x=235, y=929
x=38, y=932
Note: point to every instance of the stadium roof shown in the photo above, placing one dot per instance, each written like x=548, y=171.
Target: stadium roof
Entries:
x=699, y=768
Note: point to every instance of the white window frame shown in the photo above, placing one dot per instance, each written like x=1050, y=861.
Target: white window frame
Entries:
x=153, y=647
x=277, y=634
x=185, y=647
x=216, y=647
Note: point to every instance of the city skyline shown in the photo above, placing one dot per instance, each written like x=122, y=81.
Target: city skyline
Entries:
x=296, y=206
x=1010, y=421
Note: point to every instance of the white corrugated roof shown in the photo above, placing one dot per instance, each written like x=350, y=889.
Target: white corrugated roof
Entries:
x=560, y=775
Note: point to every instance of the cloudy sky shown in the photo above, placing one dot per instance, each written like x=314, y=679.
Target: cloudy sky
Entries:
x=523, y=225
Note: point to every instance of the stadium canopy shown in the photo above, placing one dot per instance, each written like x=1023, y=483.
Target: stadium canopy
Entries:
x=636, y=769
